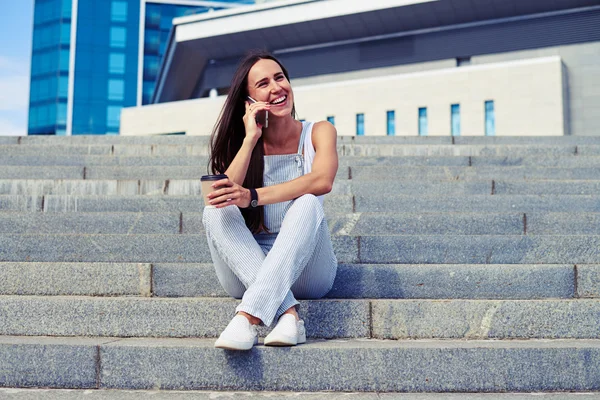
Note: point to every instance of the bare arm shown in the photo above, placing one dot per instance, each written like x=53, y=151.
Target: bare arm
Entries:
x=319, y=181
x=239, y=166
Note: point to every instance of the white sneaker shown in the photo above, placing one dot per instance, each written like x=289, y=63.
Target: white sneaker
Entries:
x=240, y=334
x=287, y=332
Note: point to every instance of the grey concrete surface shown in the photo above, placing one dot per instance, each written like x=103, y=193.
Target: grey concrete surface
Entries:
x=405, y=249
x=355, y=365
x=93, y=394
x=48, y=362
x=453, y=281
x=68, y=187
x=449, y=173
x=414, y=188
x=9, y=139
x=103, y=160
x=456, y=150
x=8, y=150
x=572, y=187
x=563, y=223
x=534, y=140
x=91, y=279
x=90, y=223
x=158, y=203
x=372, y=224
x=28, y=172
x=588, y=280
x=108, y=139
x=568, y=161
x=478, y=203
x=480, y=249
x=589, y=150
x=485, y=319
x=152, y=317
x=18, y=203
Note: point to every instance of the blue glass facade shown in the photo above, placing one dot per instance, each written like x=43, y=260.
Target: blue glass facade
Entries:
x=105, y=75
x=50, y=67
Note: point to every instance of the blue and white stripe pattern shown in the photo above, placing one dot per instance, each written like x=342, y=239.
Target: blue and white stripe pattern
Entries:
x=268, y=271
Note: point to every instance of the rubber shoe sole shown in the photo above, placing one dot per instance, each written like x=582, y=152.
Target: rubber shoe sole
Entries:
x=233, y=345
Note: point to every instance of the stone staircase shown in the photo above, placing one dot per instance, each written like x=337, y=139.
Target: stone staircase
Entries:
x=467, y=264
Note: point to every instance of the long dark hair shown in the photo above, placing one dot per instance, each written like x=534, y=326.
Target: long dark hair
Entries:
x=229, y=132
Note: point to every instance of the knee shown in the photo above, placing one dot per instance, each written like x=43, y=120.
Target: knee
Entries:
x=218, y=217
x=309, y=201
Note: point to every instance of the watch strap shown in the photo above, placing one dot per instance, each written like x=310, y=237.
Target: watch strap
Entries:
x=253, y=198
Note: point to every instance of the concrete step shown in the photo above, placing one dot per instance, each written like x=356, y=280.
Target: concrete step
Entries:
x=357, y=224
x=328, y=319
x=124, y=394
x=353, y=281
x=402, y=249
x=383, y=172
x=352, y=149
x=352, y=365
x=569, y=161
x=389, y=149
x=332, y=203
x=157, y=203
x=477, y=203
x=470, y=173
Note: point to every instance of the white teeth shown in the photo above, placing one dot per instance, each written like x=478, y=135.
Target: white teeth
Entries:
x=279, y=100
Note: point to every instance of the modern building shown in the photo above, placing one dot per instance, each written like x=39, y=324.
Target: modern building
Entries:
x=91, y=58
x=395, y=67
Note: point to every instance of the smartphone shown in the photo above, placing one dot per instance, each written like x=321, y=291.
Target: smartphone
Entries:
x=262, y=117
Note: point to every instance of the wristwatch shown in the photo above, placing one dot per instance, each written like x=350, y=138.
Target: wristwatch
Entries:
x=253, y=198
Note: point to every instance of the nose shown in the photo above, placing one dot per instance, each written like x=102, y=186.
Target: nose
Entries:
x=275, y=87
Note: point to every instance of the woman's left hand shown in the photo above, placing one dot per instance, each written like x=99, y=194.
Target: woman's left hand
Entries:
x=229, y=194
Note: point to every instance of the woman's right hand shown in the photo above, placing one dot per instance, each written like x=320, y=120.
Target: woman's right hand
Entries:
x=253, y=129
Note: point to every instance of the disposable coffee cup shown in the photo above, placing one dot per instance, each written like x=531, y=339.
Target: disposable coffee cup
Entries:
x=207, y=181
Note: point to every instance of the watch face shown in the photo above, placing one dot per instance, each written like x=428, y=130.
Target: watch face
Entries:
x=254, y=203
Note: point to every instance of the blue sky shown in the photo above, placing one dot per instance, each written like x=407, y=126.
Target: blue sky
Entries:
x=16, y=24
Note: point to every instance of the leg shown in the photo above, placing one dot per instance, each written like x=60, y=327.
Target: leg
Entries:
x=236, y=255
x=270, y=295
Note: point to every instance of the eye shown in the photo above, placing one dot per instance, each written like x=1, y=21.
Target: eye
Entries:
x=279, y=77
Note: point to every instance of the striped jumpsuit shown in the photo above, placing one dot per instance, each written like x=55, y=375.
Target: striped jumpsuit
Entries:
x=269, y=270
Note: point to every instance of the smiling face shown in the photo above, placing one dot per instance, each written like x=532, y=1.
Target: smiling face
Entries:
x=267, y=82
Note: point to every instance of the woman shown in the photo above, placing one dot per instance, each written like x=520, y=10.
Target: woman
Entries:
x=273, y=245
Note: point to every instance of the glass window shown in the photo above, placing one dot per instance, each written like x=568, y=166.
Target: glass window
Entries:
x=150, y=67
x=455, y=119
x=116, y=89
x=423, y=121
x=391, y=123
x=331, y=119
x=360, y=124
x=63, y=86
x=151, y=42
x=118, y=11
x=61, y=132
x=116, y=63
x=148, y=89
x=33, y=116
x=66, y=9
x=490, y=119
x=65, y=33
x=63, y=63
x=118, y=37
x=113, y=115
x=152, y=15
x=44, y=89
x=61, y=113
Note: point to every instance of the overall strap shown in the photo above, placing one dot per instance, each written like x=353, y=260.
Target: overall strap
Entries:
x=305, y=126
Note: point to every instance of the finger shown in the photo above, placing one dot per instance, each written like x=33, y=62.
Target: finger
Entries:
x=222, y=182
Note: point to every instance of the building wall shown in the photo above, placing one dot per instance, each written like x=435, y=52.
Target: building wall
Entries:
x=527, y=95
